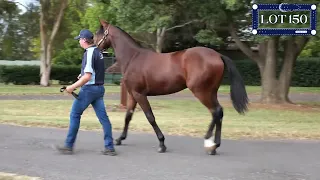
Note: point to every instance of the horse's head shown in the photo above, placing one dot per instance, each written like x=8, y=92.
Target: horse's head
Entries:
x=102, y=37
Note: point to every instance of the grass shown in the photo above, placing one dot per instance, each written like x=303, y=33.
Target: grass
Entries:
x=54, y=89
x=257, y=89
x=176, y=117
x=39, y=90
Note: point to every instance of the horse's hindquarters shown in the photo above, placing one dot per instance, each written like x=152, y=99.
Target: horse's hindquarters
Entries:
x=203, y=68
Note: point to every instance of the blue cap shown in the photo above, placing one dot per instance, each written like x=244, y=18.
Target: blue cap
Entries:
x=84, y=33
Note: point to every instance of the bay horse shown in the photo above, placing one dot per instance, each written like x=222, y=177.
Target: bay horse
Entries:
x=148, y=73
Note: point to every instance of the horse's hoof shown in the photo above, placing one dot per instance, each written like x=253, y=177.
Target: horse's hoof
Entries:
x=118, y=142
x=213, y=152
x=162, y=149
x=210, y=146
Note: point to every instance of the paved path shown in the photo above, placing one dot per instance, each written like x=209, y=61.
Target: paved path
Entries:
x=29, y=151
x=295, y=97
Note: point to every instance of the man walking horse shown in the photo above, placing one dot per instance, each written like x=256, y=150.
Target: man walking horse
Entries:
x=147, y=73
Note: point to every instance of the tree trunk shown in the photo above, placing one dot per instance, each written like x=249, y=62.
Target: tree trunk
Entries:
x=269, y=80
x=261, y=58
x=47, y=40
x=160, y=39
x=286, y=71
x=44, y=77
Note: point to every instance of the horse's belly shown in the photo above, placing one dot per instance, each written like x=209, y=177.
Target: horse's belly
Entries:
x=165, y=87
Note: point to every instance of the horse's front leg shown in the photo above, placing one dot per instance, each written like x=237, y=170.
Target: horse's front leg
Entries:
x=145, y=105
x=131, y=105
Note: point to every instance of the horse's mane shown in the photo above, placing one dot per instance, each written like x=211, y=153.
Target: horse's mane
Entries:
x=128, y=36
x=101, y=31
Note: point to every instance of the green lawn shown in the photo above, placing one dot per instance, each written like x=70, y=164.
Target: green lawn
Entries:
x=28, y=89
x=179, y=117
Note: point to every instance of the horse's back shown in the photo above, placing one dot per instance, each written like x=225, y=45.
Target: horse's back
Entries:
x=204, y=54
x=176, y=63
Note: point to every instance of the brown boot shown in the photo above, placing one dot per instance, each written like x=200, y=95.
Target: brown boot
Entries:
x=64, y=149
x=109, y=152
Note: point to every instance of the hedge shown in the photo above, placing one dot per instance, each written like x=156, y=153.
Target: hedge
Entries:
x=65, y=74
x=19, y=74
x=24, y=75
x=305, y=74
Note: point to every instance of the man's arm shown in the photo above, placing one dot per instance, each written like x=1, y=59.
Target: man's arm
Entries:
x=88, y=70
x=83, y=80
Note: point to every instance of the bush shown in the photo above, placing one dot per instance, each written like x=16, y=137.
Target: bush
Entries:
x=306, y=73
x=249, y=71
x=24, y=75
x=20, y=75
x=65, y=74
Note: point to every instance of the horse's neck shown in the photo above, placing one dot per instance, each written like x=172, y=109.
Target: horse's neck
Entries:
x=124, y=50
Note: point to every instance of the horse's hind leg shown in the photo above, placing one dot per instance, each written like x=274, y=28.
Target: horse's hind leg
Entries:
x=131, y=105
x=209, y=99
x=217, y=116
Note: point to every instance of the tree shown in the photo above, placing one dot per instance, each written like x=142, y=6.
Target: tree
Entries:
x=70, y=52
x=9, y=36
x=149, y=21
x=17, y=30
x=29, y=29
x=312, y=49
x=273, y=50
x=47, y=35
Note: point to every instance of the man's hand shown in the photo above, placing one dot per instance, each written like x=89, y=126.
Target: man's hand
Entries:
x=83, y=79
x=70, y=89
x=79, y=76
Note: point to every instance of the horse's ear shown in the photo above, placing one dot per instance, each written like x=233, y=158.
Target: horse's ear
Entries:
x=103, y=22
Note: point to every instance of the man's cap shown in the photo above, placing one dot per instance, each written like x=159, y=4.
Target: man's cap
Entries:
x=84, y=33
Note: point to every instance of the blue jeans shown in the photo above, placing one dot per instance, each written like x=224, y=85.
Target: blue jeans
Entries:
x=89, y=95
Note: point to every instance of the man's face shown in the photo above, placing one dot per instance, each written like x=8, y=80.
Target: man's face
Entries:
x=82, y=42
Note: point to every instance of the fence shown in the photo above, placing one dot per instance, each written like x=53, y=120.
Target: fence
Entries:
x=111, y=78
x=19, y=62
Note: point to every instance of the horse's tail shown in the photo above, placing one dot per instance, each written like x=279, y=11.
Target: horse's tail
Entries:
x=238, y=94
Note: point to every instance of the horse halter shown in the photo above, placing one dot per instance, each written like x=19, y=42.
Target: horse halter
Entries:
x=105, y=34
